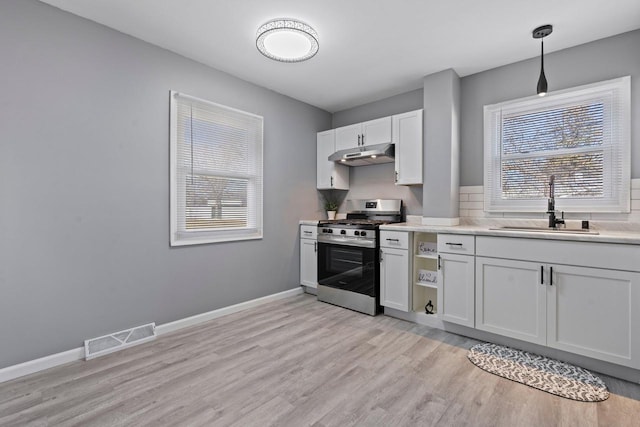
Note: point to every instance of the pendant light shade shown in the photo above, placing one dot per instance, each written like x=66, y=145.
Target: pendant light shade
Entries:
x=541, y=33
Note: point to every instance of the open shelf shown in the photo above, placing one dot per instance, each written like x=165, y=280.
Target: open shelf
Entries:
x=425, y=261
x=427, y=256
x=428, y=284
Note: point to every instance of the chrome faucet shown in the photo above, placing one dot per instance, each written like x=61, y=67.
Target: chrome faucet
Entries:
x=551, y=205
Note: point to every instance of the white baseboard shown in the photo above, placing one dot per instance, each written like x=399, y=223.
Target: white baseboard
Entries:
x=204, y=317
x=37, y=365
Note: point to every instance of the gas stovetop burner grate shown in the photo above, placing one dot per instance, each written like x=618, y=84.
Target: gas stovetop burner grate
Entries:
x=370, y=222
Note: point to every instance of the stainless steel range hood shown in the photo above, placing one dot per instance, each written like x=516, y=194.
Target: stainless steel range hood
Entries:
x=363, y=156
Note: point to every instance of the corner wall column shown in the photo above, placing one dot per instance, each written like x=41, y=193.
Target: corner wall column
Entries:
x=441, y=172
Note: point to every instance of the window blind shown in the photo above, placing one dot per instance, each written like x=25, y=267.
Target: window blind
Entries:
x=216, y=172
x=580, y=135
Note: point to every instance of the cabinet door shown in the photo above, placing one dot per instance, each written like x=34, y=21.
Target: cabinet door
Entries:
x=348, y=137
x=456, y=289
x=394, y=278
x=376, y=131
x=308, y=263
x=407, y=137
x=595, y=312
x=329, y=175
x=511, y=299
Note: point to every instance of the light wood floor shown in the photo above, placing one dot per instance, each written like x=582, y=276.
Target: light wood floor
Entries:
x=298, y=362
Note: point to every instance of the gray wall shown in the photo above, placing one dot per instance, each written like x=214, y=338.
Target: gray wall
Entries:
x=379, y=180
x=84, y=184
x=592, y=62
x=441, y=145
x=397, y=104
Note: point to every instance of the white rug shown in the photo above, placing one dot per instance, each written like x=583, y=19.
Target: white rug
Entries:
x=552, y=376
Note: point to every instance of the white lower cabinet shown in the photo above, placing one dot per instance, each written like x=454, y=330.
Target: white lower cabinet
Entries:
x=456, y=268
x=456, y=291
x=308, y=256
x=394, y=270
x=593, y=312
x=510, y=299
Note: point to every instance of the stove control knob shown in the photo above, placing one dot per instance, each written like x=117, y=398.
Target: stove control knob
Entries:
x=330, y=230
x=343, y=231
x=356, y=233
x=363, y=233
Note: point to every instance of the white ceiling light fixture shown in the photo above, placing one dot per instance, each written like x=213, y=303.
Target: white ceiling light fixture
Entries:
x=287, y=40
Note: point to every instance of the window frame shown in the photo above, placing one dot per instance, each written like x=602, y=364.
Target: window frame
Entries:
x=617, y=181
x=183, y=237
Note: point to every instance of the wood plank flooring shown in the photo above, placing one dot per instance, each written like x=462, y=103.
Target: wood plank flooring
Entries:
x=298, y=362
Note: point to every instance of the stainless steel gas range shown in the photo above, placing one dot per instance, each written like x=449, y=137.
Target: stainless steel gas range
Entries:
x=349, y=254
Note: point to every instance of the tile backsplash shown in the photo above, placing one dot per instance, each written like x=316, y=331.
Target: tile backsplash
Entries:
x=472, y=209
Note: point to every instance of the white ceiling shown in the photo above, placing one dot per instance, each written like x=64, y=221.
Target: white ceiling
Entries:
x=369, y=49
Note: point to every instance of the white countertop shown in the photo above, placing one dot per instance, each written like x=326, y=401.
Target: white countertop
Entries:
x=604, y=236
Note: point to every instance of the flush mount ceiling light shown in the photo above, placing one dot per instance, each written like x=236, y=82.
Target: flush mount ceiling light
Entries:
x=287, y=40
x=541, y=33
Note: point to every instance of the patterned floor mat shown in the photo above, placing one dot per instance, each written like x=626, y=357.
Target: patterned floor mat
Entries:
x=552, y=376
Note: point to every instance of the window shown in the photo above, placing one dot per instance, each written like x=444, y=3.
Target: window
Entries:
x=580, y=135
x=216, y=172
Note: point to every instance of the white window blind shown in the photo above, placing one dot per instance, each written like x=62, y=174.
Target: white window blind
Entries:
x=216, y=172
x=580, y=135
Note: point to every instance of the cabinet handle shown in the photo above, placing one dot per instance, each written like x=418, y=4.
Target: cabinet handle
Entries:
x=308, y=232
x=358, y=140
x=454, y=244
x=439, y=262
x=550, y=276
x=393, y=240
x=542, y=274
x=331, y=181
x=363, y=139
x=381, y=255
x=396, y=176
x=315, y=246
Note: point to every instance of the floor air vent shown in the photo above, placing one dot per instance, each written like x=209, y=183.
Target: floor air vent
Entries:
x=106, y=344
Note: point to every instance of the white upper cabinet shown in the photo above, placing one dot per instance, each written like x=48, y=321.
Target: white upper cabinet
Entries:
x=329, y=175
x=407, y=137
x=373, y=132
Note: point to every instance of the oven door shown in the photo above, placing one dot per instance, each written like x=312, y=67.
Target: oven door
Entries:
x=349, y=268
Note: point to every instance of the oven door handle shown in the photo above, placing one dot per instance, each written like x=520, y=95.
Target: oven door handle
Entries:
x=368, y=244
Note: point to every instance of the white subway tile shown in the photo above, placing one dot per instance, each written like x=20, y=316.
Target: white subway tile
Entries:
x=464, y=197
x=635, y=205
x=635, y=183
x=476, y=197
x=472, y=205
x=476, y=213
x=494, y=214
x=471, y=189
x=635, y=194
x=606, y=216
x=463, y=212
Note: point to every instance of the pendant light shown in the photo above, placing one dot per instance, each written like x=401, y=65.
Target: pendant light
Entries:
x=541, y=33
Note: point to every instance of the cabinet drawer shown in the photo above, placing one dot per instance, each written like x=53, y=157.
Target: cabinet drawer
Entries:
x=456, y=244
x=394, y=239
x=308, y=231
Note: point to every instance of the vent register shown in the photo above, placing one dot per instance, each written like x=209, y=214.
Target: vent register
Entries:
x=106, y=344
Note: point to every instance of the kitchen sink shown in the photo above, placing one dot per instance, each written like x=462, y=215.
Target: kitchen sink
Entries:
x=546, y=230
